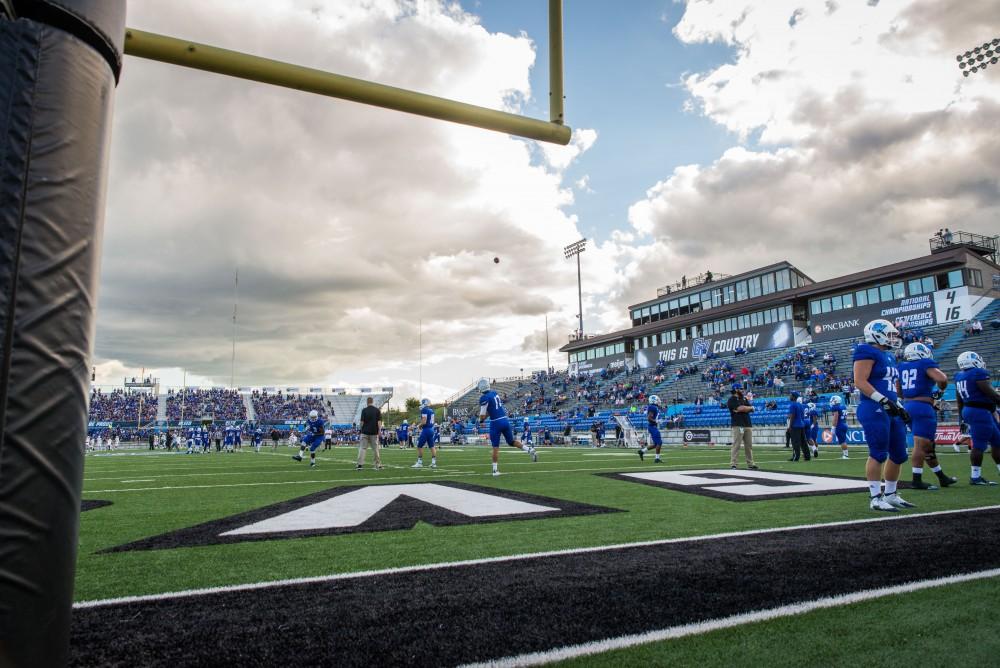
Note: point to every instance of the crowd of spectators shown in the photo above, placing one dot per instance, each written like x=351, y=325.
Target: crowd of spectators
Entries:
x=220, y=403
x=275, y=407
x=122, y=406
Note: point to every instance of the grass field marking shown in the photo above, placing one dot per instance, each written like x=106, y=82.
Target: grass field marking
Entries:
x=124, y=600
x=673, y=632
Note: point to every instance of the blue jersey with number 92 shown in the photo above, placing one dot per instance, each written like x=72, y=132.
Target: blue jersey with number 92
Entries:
x=913, y=378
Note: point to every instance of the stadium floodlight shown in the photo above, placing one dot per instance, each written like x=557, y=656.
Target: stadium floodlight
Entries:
x=576, y=248
x=979, y=57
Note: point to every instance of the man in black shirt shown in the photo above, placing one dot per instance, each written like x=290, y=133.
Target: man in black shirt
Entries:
x=739, y=416
x=371, y=424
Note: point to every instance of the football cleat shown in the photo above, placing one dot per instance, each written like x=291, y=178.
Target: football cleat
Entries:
x=897, y=501
x=946, y=480
x=434, y=465
x=312, y=465
x=297, y=458
x=982, y=482
x=879, y=503
x=920, y=484
x=496, y=472
x=358, y=467
x=534, y=455
x=753, y=467
x=844, y=456
x=418, y=465
x=657, y=460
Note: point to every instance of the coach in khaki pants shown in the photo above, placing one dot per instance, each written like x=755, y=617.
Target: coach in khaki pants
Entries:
x=371, y=424
x=739, y=416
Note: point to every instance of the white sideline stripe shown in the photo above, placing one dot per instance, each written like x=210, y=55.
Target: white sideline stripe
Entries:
x=672, y=632
x=507, y=558
x=446, y=470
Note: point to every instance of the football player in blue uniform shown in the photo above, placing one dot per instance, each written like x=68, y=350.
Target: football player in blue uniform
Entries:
x=491, y=406
x=922, y=384
x=812, y=432
x=403, y=434
x=797, y=427
x=881, y=413
x=977, y=404
x=258, y=438
x=426, y=435
x=653, y=428
x=839, y=424
x=526, y=432
x=312, y=437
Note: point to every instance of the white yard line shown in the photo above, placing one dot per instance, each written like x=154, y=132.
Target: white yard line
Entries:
x=509, y=558
x=425, y=474
x=671, y=632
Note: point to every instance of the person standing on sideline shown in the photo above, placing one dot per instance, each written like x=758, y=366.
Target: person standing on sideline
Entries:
x=426, y=435
x=739, y=418
x=881, y=414
x=839, y=424
x=371, y=425
x=977, y=404
x=923, y=383
x=797, y=427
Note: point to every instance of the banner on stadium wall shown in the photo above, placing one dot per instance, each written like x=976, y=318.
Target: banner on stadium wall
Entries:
x=596, y=365
x=947, y=435
x=270, y=389
x=244, y=389
x=291, y=389
x=936, y=308
x=854, y=436
x=697, y=435
x=775, y=335
x=315, y=389
x=387, y=389
x=337, y=390
x=364, y=389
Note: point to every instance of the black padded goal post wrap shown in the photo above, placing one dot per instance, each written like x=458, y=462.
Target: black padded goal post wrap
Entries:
x=57, y=81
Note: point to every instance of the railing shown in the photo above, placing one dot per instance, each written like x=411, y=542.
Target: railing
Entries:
x=686, y=282
x=945, y=239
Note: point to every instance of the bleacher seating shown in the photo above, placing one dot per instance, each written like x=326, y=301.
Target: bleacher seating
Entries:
x=122, y=406
x=197, y=403
x=277, y=406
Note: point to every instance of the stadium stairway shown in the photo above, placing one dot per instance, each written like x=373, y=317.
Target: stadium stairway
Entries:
x=949, y=344
x=248, y=404
x=161, y=407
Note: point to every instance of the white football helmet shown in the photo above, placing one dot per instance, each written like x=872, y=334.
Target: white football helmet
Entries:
x=883, y=333
x=313, y=414
x=811, y=406
x=917, y=351
x=655, y=400
x=405, y=422
x=483, y=385
x=970, y=360
x=835, y=400
x=425, y=402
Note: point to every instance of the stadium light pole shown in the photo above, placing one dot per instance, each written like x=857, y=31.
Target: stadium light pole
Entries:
x=979, y=57
x=576, y=248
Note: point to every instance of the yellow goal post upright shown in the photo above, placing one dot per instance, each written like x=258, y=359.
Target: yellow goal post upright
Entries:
x=209, y=58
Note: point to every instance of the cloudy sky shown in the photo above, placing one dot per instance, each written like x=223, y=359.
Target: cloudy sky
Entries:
x=707, y=135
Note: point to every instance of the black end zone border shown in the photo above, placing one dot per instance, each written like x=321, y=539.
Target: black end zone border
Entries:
x=92, y=504
x=730, y=473
x=402, y=513
x=481, y=612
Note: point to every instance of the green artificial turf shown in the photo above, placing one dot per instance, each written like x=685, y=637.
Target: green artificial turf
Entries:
x=157, y=493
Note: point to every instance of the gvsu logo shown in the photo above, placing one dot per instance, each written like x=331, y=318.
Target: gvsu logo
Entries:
x=700, y=347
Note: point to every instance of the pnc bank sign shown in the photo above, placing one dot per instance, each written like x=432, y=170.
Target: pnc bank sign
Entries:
x=837, y=326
